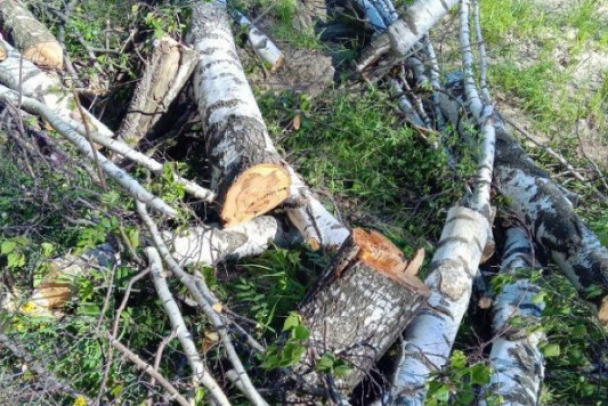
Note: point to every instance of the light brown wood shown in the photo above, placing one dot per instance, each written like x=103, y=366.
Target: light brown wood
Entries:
x=603, y=311
x=379, y=253
x=48, y=54
x=3, y=52
x=256, y=191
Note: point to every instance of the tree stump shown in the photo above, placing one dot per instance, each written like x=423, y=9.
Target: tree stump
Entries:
x=362, y=304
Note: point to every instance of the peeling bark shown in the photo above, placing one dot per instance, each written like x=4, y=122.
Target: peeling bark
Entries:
x=362, y=303
x=166, y=72
x=30, y=37
x=515, y=357
x=429, y=338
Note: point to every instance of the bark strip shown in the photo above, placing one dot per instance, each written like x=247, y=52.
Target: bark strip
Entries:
x=167, y=70
x=365, y=299
x=30, y=37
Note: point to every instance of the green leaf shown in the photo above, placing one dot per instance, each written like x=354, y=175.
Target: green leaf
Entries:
x=133, y=234
x=117, y=390
x=539, y=297
x=342, y=370
x=301, y=333
x=480, y=374
x=551, y=350
x=292, y=321
x=7, y=247
x=47, y=249
x=325, y=363
x=15, y=260
x=199, y=396
x=459, y=359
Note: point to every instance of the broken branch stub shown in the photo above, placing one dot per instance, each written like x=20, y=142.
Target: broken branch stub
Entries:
x=30, y=37
x=248, y=175
x=368, y=295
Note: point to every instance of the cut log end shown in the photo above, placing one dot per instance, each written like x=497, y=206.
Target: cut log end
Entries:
x=3, y=52
x=46, y=54
x=381, y=254
x=256, y=191
x=277, y=64
x=603, y=312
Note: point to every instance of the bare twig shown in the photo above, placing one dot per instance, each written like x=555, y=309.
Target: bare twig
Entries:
x=148, y=369
x=201, y=373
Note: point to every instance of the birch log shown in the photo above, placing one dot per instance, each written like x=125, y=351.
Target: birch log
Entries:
x=23, y=76
x=30, y=37
x=366, y=298
x=540, y=203
x=165, y=73
x=517, y=362
x=429, y=338
x=248, y=175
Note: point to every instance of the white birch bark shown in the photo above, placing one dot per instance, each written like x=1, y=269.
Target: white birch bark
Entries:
x=428, y=340
x=263, y=46
x=23, y=76
x=208, y=245
x=517, y=362
x=415, y=22
x=200, y=372
x=128, y=183
x=540, y=203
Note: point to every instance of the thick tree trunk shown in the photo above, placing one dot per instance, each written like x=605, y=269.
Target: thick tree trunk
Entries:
x=515, y=357
x=30, y=37
x=359, y=308
x=166, y=72
x=249, y=176
x=430, y=336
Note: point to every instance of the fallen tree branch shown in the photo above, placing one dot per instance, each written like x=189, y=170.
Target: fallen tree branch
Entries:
x=23, y=76
x=166, y=71
x=129, y=184
x=201, y=373
x=148, y=369
x=249, y=389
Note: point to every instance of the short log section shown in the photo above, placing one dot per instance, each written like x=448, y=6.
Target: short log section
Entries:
x=367, y=297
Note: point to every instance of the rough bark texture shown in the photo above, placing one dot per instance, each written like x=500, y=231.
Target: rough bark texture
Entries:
x=236, y=137
x=166, y=72
x=365, y=299
x=515, y=357
x=32, y=38
x=430, y=336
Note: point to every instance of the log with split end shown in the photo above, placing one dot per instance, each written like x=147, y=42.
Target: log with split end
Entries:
x=367, y=297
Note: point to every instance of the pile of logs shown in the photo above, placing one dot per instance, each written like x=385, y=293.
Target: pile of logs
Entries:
x=370, y=294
